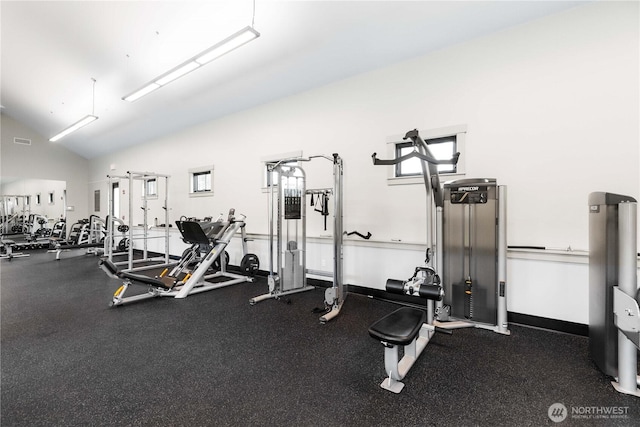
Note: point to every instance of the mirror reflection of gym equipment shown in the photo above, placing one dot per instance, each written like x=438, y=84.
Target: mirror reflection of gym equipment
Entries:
x=14, y=211
x=464, y=277
x=287, y=233
x=31, y=212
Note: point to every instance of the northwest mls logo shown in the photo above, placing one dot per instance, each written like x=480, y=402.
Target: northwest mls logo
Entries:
x=557, y=412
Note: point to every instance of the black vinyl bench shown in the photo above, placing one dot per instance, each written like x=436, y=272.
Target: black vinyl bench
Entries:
x=112, y=270
x=400, y=327
x=407, y=327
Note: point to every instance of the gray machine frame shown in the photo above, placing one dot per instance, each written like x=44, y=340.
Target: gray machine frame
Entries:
x=196, y=280
x=436, y=240
x=614, y=314
x=437, y=317
x=288, y=274
x=474, y=255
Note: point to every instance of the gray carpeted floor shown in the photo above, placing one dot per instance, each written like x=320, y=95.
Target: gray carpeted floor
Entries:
x=212, y=359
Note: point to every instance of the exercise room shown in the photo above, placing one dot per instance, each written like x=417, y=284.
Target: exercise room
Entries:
x=319, y=213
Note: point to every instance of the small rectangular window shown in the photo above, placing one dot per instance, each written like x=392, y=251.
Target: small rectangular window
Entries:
x=281, y=158
x=201, y=181
x=442, y=143
x=38, y=201
x=440, y=148
x=51, y=198
x=151, y=187
x=96, y=200
x=271, y=176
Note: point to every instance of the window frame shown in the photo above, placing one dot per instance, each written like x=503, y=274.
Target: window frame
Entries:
x=394, y=141
x=145, y=188
x=271, y=160
x=193, y=173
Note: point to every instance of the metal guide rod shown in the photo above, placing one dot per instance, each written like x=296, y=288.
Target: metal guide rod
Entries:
x=270, y=218
x=627, y=283
x=339, y=292
x=439, y=263
x=109, y=241
x=303, y=229
x=130, y=260
x=165, y=207
x=338, y=229
x=502, y=323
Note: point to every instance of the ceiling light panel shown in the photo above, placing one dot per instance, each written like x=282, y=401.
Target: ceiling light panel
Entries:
x=225, y=46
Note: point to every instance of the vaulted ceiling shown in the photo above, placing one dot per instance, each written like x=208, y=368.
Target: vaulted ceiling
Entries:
x=51, y=51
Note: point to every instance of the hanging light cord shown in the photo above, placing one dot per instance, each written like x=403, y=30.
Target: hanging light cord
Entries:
x=93, y=107
x=253, y=18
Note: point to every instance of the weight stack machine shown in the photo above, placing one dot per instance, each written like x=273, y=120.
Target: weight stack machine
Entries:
x=614, y=314
x=474, y=255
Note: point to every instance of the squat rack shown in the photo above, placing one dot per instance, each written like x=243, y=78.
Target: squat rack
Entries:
x=144, y=236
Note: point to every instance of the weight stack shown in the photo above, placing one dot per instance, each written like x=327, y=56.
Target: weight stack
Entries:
x=470, y=234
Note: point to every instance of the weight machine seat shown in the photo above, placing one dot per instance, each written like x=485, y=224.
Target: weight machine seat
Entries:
x=139, y=278
x=399, y=327
x=192, y=232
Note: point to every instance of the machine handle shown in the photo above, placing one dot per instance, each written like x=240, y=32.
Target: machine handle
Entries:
x=452, y=161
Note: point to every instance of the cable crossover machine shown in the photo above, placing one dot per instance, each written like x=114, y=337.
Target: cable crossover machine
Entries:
x=464, y=277
x=287, y=233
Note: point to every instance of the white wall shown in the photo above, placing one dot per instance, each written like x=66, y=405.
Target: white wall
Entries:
x=43, y=160
x=552, y=112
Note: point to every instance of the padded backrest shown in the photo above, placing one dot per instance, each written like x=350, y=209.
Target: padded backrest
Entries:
x=192, y=232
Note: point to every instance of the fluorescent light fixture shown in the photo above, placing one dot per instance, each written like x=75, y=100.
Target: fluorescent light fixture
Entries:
x=142, y=92
x=74, y=127
x=178, y=72
x=238, y=39
x=232, y=42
